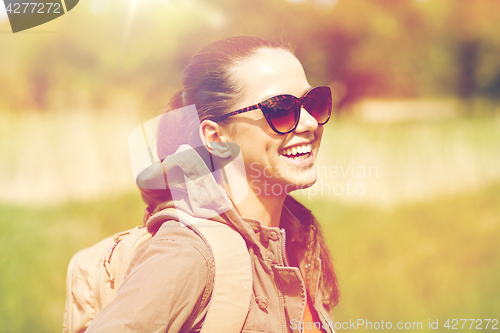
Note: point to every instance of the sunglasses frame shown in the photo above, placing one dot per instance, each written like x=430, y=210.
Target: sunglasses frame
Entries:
x=263, y=106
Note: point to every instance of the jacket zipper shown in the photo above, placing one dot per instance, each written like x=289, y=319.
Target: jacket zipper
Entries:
x=330, y=323
x=283, y=246
x=285, y=262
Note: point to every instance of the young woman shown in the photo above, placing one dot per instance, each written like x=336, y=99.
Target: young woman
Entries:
x=254, y=94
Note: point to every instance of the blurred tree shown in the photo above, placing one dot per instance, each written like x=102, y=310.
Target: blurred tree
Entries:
x=376, y=48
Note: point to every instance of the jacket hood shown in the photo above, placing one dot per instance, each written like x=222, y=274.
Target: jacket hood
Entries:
x=189, y=185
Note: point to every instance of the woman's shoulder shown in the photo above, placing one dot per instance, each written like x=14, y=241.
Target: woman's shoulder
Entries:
x=171, y=276
x=175, y=231
x=173, y=239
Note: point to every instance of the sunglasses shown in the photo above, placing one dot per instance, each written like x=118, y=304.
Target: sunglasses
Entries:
x=282, y=112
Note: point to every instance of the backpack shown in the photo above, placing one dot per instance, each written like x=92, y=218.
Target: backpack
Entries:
x=96, y=273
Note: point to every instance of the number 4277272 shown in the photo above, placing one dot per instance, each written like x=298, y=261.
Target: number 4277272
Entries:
x=34, y=8
x=474, y=324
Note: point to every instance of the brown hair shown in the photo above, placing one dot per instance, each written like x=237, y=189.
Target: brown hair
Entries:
x=207, y=81
x=328, y=281
x=208, y=84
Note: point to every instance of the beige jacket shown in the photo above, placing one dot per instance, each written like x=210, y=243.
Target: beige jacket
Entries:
x=168, y=285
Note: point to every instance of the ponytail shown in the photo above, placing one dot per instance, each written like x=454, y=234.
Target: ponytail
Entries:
x=176, y=102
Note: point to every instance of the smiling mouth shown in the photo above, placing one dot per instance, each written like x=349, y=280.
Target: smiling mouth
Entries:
x=301, y=152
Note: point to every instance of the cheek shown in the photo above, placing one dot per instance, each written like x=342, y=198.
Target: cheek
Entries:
x=319, y=132
x=318, y=135
x=257, y=141
x=248, y=139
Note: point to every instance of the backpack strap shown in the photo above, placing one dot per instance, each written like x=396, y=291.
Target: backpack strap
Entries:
x=233, y=283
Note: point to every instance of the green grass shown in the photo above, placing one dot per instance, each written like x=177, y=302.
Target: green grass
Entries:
x=415, y=262
x=36, y=245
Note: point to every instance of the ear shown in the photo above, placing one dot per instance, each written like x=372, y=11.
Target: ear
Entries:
x=211, y=136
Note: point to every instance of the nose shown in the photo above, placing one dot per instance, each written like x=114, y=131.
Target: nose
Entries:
x=307, y=123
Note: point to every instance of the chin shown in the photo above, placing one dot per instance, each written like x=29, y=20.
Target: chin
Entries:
x=299, y=184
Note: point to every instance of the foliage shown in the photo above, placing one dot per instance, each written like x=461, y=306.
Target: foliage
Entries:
x=377, y=48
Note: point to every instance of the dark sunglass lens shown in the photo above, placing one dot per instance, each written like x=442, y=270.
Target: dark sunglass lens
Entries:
x=283, y=113
x=318, y=103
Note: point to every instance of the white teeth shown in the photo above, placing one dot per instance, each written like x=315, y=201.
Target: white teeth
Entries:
x=303, y=149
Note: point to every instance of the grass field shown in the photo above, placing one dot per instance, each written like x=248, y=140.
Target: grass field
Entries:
x=436, y=260
x=422, y=244
x=439, y=260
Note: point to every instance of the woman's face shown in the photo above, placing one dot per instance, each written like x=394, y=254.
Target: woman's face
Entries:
x=273, y=162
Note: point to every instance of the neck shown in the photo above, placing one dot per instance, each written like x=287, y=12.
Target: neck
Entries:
x=265, y=208
x=257, y=203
